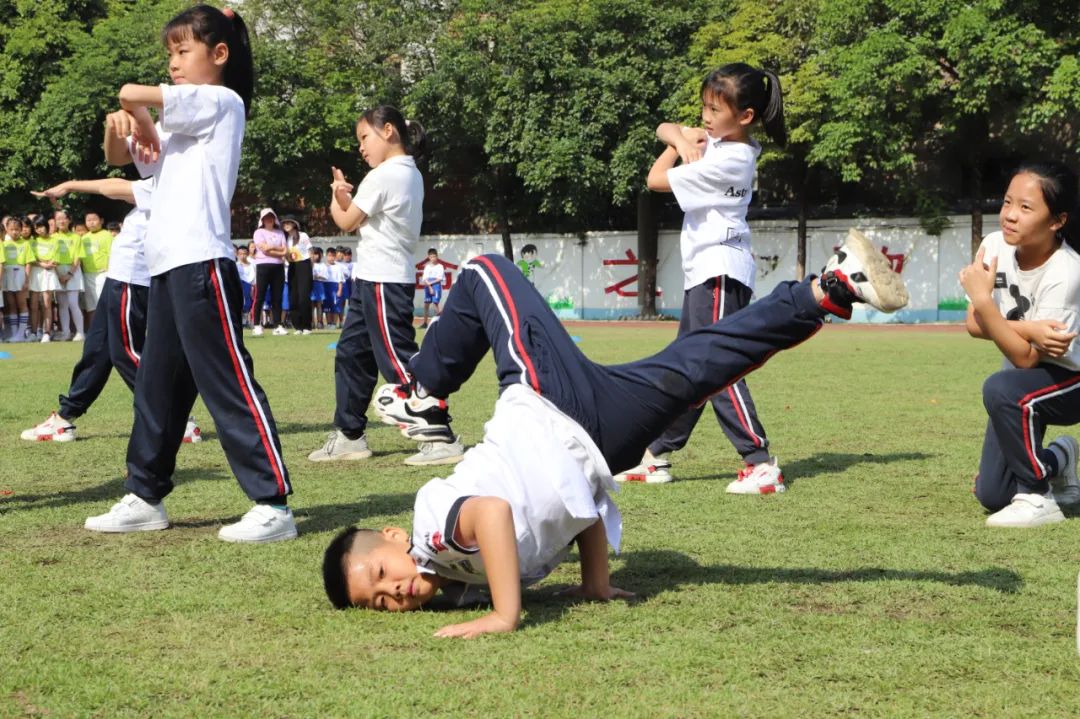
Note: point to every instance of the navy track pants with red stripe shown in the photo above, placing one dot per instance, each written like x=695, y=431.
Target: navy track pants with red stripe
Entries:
x=115, y=340
x=194, y=346
x=1020, y=404
x=622, y=407
x=703, y=305
x=378, y=336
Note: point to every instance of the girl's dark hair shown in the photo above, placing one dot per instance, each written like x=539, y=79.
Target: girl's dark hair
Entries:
x=411, y=132
x=747, y=88
x=1061, y=192
x=40, y=222
x=211, y=26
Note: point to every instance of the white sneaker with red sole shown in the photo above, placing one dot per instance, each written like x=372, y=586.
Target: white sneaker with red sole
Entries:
x=54, y=429
x=192, y=433
x=652, y=470
x=761, y=478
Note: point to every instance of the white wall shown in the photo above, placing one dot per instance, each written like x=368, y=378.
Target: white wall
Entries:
x=578, y=284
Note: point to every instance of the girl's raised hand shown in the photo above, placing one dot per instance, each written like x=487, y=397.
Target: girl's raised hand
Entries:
x=145, y=136
x=339, y=184
x=692, y=146
x=978, y=279
x=53, y=192
x=1051, y=336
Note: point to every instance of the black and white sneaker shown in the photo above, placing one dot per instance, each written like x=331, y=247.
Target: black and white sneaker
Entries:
x=401, y=405
x=860, y=273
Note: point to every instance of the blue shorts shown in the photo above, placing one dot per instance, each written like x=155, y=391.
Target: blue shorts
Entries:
x=285, y=298
x=346, y=291
x=330, y=298
x=432, y=294
x=316, y=290
x=249, y=292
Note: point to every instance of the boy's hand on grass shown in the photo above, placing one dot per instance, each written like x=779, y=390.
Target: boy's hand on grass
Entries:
x=491, y=623
x=596, y=594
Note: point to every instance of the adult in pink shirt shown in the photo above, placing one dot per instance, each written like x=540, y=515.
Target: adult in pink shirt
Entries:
x=270, y=251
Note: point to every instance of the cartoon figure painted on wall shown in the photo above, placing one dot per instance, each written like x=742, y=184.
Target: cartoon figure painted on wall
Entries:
x=529, y=262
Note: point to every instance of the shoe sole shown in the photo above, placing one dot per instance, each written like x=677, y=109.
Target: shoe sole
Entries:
x=429, y=462
x=344, y=457
x=888, y=287
x=1052, y=518
x=46, y=438
x=144, y=527
x=280, y=537
x=643, y=479
x=192, y=440
x=767, y=489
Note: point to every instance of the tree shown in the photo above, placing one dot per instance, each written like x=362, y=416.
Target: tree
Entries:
x=924, y=85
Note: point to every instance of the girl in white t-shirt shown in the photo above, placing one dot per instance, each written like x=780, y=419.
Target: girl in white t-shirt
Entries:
x=378, y=333
x=1024, y=290
x=194, y=342
x=713, y=186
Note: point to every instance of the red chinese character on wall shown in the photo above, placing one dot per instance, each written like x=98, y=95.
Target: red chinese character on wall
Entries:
x=617, y=288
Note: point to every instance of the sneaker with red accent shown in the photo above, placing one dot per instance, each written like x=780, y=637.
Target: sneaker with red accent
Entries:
x=54, y=429
x=402, y=405
x=860, y=273
x=760, y=478
x=652, y=470
x=192, y=433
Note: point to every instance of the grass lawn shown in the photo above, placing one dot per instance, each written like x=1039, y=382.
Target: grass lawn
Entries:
x=870, y=588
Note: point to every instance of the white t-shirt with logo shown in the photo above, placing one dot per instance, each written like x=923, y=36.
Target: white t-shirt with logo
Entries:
x=1048, y=292
x=247, y=272
x=190, y=219
x=714, y=193
x=392, y=197
x=302, y=244
x=335, y=272
x=544, y=465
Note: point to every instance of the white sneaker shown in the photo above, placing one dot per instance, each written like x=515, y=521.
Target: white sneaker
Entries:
x=45, y=338
x=652, y=470
x=54, y=429
x=438, y=453
x=79, y=337
x=256, y=331
x=130, y=514
x=340, y=447
x=761, y=478
x=1066, y=484
x=306, y=332
x=297, y=332
x=1027, y=510
x=262, y=523
x=192, y=433
x=279, y=331
x=858, y=272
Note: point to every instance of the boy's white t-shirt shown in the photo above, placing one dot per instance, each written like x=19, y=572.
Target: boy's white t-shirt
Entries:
x=318, y=271
x=714, y=193
x=433, y=273
x=190, y=219
x=334, y=272
x=127, y=258
x=392, y=197
x=247, y=272
x=541, y=462
x=1048, y=292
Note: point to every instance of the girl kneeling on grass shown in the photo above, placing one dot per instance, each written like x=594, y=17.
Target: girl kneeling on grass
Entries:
x=1024, y=287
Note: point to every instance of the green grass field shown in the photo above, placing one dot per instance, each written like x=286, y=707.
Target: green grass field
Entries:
x=871, y=588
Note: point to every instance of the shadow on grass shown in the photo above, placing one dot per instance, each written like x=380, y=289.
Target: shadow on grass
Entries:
x=327, y=427
x=648, y=573
x=334, y=517
x=825, y=463
x=111, y=490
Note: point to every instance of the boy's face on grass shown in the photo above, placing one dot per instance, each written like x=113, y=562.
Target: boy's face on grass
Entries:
x=386, y=578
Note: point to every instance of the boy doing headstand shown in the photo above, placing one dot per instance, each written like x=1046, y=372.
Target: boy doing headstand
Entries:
x=563, y=424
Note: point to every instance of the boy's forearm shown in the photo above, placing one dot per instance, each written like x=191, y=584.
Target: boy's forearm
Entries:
x=494, y=532
x=115, y=188
x=593, y=548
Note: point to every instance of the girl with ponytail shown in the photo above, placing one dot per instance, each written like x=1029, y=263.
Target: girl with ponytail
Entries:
x=713, y=186
x=194, y=338
x=378, y=336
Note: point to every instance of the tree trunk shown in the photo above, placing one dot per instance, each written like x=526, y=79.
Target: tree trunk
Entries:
x=800, y=249
x=648, y=251
x=976, y=207
x=502, y=210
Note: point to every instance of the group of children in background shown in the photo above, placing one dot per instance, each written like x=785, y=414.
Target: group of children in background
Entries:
x=53, y=272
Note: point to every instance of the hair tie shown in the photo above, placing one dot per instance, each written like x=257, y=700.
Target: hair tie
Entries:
x=229, y=13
